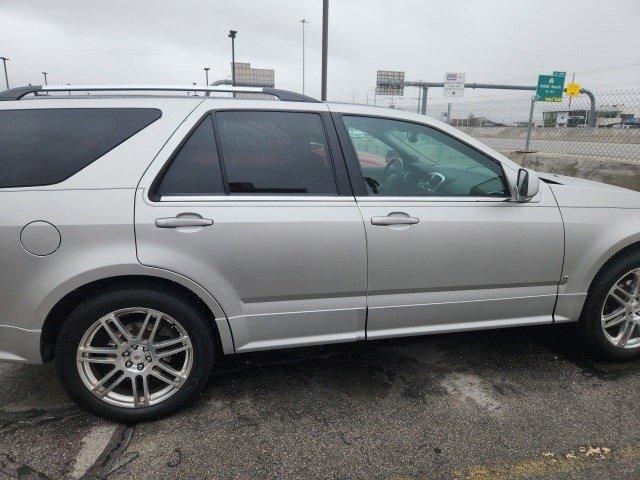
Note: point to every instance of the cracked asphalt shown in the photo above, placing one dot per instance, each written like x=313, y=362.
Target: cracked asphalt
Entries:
x=518, y=403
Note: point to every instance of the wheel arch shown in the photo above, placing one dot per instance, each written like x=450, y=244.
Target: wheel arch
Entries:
x=571, y=301
x=631, y=247
x=56, y=316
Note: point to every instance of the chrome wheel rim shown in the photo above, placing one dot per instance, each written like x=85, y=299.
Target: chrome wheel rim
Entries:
x=134, y=357
x=620, y=316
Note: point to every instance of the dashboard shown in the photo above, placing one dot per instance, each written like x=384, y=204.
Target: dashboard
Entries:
x=419, y=179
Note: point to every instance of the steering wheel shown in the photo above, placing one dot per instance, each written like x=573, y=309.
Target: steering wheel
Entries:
x=386, y=175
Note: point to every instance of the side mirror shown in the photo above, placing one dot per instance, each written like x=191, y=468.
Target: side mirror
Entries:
x=527, y=186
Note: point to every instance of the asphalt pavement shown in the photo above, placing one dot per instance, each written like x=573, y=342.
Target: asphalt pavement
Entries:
x=520, y=403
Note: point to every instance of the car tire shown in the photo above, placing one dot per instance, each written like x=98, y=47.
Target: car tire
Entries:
x=185, y=325
x=592, y=332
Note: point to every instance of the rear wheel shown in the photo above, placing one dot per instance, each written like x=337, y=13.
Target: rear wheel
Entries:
x=134, y=355
x=611, y=316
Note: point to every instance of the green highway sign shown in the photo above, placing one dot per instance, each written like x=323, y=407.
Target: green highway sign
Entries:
x=550, y=88
x=562, y=74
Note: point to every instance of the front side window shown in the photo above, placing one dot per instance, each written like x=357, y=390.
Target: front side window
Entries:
x=274, y=153
x=46, y=146
x=408, y=159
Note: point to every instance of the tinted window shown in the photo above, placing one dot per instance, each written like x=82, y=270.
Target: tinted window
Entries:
x=408, y=159
x=47, y=146
x=276, y=153
x=195, y=169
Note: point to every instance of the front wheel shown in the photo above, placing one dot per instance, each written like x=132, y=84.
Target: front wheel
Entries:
x=135, y=354
x=610, y=320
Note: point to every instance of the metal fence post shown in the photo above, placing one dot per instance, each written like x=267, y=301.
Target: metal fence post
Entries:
x=530, y=124
x=423, y=105
x=591, y=120
x=449, y=114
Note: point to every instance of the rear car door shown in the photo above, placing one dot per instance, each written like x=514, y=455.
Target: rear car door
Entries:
x=255, y=205
x=447, y=247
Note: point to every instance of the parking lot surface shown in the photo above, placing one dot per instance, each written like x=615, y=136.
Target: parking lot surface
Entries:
x=519, y=403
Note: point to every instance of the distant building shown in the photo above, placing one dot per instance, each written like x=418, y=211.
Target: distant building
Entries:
x=473, y=121
x=606, y=116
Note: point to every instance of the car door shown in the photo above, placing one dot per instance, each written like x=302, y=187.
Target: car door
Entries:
x=255, y=205
x=447, y=247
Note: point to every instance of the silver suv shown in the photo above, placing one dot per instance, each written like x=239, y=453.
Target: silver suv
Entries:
x=144, y=236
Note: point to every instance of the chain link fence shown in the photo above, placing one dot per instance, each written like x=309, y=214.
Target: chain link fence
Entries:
x=562, y=127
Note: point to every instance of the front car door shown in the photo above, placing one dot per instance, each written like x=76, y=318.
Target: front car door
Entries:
x=447, y=247
x=255, y=205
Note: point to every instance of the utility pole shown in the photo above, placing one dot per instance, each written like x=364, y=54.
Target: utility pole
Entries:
x=303, y=22
x=232, y=36
x=6, y=78
x=206, y=75
x=45, y=77
x=325, y=45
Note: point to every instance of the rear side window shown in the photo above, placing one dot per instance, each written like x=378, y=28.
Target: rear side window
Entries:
x=195, y=169
x=47, y=146
x=276, y=153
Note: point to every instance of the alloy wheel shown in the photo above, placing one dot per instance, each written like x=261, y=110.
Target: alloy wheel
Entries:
x=620, y=316
x=135, y=357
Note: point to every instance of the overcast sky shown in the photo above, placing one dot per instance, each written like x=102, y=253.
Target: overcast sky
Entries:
x=162, y=41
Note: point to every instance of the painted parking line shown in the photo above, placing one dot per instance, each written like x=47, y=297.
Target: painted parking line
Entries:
x=548, y=463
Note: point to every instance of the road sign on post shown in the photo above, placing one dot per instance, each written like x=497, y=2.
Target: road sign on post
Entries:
x=453, y=85
x=559, y=74
x=550, y=88
x=390, y=83
x=573, y=89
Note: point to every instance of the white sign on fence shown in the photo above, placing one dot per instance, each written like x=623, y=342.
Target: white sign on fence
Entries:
x=453, y=85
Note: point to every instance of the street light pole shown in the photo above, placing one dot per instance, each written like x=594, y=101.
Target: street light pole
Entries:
x=303, y=22
x=206, y=75
x=45, y=77
x=232, y=36
x=6, y=77
x=325, y=42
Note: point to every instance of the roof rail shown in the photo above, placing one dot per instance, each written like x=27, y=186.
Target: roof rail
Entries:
x=20, y=92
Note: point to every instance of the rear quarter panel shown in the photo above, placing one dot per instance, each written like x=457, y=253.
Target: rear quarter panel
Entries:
x=96, y=229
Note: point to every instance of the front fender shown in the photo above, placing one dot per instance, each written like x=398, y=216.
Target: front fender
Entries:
x=592, y=237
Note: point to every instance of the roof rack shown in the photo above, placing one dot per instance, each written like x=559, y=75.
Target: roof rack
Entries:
x=283, y=95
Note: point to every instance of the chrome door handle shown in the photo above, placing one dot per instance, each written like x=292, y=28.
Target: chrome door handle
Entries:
x=177, y=222
x=394, y=220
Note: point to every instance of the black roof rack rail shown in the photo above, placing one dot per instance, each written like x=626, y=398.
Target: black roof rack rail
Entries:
x=283, y=95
